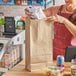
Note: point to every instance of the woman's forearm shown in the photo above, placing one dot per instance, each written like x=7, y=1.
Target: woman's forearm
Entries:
x=70, y=26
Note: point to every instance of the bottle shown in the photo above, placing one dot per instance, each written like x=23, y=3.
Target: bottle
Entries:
x=23, y=2
x=73, y=67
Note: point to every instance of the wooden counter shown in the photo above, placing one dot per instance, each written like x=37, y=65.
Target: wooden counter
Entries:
x=19, y=70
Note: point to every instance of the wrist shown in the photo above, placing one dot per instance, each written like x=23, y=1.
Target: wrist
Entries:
x=65, y=21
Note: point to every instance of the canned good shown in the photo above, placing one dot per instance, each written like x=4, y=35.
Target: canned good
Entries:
x=60, y=62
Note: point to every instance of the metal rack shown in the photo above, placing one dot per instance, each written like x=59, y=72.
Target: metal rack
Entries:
x=11, y=56
x=11, y=53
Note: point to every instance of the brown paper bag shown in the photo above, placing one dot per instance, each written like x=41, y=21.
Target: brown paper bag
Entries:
x=39, y=44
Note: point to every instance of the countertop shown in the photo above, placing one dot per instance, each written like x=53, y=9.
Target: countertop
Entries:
x=19, y=70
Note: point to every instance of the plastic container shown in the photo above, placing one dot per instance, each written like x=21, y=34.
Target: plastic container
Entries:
x=53, y=71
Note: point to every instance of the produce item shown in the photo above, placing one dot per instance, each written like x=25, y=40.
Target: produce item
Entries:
x=2, y=21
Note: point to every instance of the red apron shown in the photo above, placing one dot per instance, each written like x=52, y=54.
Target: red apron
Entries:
x=62, y=38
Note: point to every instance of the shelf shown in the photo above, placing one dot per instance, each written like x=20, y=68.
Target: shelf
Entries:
x=13, y=5
x=22, y=5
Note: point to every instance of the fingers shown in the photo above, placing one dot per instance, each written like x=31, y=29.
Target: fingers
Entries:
x=51, y=19
x=56, y=18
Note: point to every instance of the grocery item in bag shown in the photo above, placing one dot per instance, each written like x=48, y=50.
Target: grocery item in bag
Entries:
x=36, y=12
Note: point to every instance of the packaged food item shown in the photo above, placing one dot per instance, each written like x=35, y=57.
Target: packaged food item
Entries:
x=39, y=13
x=53, y=71
x=20, y=25
x=73, y=67
x=36, y=12
x=67, y=74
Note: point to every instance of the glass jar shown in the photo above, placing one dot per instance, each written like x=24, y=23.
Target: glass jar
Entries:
x=73, y=67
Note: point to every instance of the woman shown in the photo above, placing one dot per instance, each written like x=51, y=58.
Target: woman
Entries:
x=64, y=29
x=64, y=33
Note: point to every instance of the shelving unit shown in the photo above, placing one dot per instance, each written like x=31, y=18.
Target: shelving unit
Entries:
x=11, y=54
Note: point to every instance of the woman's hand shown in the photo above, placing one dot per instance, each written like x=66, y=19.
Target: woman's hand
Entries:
x=56, y=18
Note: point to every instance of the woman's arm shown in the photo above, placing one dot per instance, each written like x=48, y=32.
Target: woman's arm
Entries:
x=70, y=26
